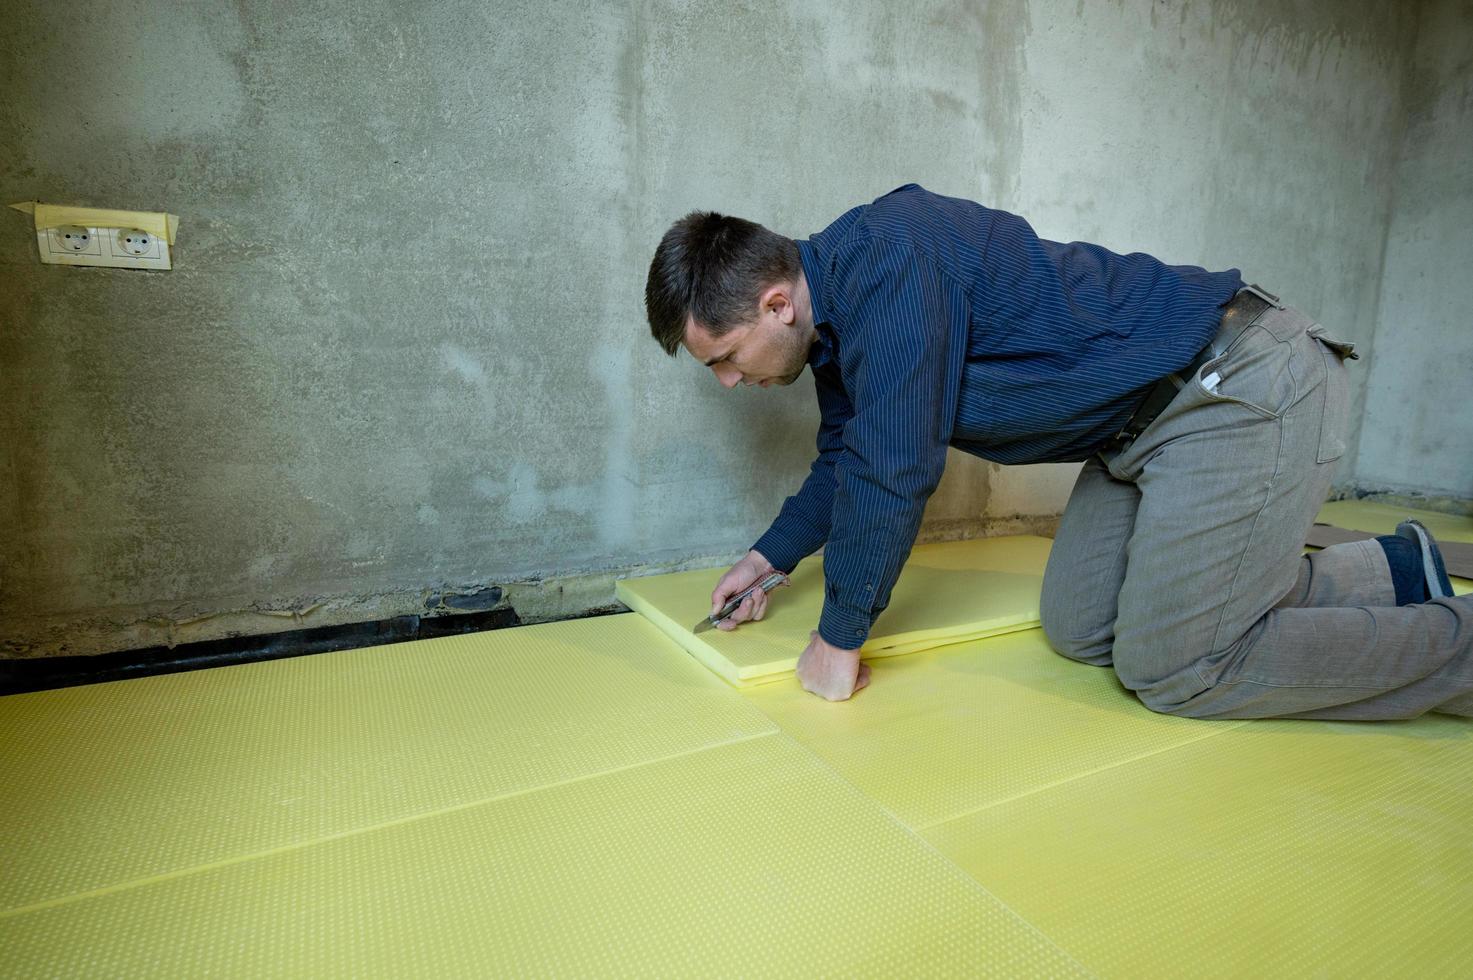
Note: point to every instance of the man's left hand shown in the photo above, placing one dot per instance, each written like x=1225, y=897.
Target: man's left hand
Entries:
x=830, y=672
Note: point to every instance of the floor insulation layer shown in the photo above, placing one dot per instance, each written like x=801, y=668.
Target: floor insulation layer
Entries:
x=1275, y=849
x=143, y=778
x=945, y=732
x=948, y=593
x=750, y=858
x=586, y=799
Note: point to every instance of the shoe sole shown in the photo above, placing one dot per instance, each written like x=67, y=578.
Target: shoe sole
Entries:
x=1438, y=586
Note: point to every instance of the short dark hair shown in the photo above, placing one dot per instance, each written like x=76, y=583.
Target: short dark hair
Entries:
x=712, y=267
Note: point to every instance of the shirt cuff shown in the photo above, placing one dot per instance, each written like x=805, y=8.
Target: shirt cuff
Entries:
x=781, y=549
x=845, y=627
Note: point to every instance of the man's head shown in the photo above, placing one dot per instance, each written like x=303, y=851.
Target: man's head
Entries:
x=733, y=294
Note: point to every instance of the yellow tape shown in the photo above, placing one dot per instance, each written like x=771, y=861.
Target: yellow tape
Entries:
x=157, y=223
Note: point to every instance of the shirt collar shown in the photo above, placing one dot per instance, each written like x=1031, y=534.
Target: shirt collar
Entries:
x=822, y=350
x=808, y=256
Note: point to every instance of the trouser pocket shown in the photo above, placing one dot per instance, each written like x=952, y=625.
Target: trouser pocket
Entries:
x=1335, y=420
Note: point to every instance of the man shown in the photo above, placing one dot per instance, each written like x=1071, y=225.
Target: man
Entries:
x=1208, y=414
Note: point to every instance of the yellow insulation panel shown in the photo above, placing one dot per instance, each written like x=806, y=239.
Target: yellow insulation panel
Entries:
x=944, y=732
x=1378, y=518
x=948, y=593
x=1277, y=849
x=138, y=778
x=748, y=859
x=583, y=798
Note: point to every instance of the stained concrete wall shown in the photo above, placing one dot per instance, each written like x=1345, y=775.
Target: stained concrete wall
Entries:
x=1417, y=433
x=402, y=353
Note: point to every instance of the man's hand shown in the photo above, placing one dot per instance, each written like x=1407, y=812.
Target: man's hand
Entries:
x=830, y=672
x=744, y=573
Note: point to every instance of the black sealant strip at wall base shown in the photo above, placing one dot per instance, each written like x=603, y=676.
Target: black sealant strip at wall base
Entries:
x=44, y=673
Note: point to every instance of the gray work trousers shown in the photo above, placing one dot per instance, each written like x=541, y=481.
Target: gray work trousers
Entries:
x=1179, y=558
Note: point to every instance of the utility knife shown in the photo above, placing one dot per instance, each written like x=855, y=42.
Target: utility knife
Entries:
x=766, y=585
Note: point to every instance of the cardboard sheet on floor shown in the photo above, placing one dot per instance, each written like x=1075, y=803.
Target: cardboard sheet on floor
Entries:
x=1277, y=849
x=1379, y=518
x=748, y=859
x=944, y=732
x=1375, y=518
x=1457, y=556
x=949, y=593
x=138, y=778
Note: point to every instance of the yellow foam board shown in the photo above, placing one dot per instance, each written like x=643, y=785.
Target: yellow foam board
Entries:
x=1276, y=849
x=139, y=778
x=948, y=731
x=1378, y=518
x=750, y=859
x=948, y=593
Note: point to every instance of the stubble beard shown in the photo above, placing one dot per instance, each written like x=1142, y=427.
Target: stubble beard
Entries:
x=798, y=360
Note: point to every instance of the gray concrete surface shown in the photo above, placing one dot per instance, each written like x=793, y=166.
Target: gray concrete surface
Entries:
x=1417, y=434
x=403, y=353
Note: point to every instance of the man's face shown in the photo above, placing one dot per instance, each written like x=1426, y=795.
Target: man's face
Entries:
x=770, y=349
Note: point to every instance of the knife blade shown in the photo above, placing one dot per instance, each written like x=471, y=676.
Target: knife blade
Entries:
x=766, y=585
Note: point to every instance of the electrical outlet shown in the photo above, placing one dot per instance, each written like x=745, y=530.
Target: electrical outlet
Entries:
x=74, y=240
x=124, y=248
x=134, y=241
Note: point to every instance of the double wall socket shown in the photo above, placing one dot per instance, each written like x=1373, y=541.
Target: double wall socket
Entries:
x=125, y=248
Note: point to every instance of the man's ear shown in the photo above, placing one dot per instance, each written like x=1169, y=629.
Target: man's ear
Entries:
x=778, y=298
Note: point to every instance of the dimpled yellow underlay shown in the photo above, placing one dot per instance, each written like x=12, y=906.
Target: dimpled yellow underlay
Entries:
x=1149, y=845
x=585, y=799
x=1277, y=848
x=943, y=732
x=948, y=593
x=579, y=799
x=246, y=759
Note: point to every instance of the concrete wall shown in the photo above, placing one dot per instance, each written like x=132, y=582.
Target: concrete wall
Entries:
x=1417, y=433
x=403, y=351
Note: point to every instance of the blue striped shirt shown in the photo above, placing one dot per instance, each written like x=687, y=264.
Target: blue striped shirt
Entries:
x=942, y=322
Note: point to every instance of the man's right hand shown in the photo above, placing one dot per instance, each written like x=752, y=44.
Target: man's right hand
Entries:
x=749, y=570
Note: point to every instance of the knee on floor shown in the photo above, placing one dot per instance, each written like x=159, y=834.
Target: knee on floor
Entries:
x=1134, y=665
x=1087, y=649
x=1160, y=677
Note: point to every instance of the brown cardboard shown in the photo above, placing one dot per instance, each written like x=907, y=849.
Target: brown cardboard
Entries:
x=1456, y=555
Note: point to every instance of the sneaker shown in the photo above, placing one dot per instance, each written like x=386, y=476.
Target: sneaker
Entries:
x=1433, y=570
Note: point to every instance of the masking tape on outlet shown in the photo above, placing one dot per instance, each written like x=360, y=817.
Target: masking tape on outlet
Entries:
x=156, y=223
